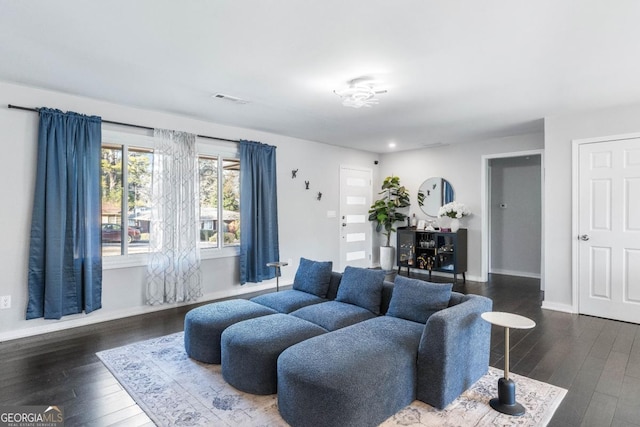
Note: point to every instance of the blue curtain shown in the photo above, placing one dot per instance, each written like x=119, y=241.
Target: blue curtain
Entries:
x=258, y=211
x=65, y=255
x=447, y=190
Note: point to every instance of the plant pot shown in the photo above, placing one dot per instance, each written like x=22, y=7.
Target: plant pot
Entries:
x=455, y=224
x=387, y=257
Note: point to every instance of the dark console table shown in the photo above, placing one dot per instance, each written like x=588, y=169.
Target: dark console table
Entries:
x=432, y=251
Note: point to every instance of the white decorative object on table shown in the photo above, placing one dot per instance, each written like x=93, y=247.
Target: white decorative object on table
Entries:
x=453, y=212
x=444, y=222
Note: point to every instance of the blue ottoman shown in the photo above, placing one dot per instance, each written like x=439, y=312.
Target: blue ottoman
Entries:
x=357, y=376
x=204, y=325
x=250, y=350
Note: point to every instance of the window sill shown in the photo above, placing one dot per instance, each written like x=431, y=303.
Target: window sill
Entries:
x=227, y=252
x=141, y=260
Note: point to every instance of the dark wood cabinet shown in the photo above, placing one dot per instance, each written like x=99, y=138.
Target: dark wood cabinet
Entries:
x=432, y=251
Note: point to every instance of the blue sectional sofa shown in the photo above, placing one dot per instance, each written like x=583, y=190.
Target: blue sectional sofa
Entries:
x=367, y=372
x=347, y=349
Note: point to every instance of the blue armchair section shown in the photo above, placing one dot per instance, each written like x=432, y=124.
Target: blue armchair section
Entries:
x=454, y=350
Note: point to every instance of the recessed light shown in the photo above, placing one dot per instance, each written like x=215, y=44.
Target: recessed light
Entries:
x=392, y=145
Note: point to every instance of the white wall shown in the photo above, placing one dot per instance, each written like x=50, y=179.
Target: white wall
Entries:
x=304, y=227
x=559, y=133
x=461, y=165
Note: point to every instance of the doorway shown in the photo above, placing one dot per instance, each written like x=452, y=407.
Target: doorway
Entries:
x=512, y=221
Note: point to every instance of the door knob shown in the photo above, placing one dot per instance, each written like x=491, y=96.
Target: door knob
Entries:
x=583, y=237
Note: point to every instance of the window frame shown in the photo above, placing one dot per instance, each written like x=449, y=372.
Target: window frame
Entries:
x=205, y=147
x=214, y=148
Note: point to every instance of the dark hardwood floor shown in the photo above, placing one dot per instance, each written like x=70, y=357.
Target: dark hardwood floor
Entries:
x=597, y=360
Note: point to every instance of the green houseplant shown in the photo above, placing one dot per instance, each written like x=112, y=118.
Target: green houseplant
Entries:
x=385, y=212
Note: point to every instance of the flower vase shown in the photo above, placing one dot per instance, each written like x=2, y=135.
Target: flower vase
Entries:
x=455, y=224
x=445, y=223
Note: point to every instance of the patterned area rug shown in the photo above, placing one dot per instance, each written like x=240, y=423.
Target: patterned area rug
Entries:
x=176, y=391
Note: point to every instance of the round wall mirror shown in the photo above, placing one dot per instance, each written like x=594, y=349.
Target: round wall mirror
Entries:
x=433, y=193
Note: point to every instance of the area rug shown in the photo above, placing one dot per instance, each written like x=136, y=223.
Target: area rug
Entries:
x=175, y=390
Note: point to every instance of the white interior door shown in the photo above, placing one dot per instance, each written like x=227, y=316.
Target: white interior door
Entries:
x=355, y=228
x=609, y=229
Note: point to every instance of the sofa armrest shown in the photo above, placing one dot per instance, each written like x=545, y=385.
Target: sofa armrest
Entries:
x=454, y=351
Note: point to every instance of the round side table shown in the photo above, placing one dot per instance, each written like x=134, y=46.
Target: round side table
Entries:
x=506, y=400
x=277, y=265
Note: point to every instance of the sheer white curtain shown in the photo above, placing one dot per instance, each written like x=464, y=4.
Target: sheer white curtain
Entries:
x=174, y=263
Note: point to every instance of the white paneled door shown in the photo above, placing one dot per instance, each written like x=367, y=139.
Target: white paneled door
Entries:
x=609, y=229
x=355, y=228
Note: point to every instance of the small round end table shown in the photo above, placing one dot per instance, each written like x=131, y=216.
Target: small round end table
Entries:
x=277, y=265
x=506, y=400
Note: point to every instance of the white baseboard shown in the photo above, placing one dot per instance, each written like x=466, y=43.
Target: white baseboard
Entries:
x=565, y=308
x=515, y=273
x=99, y=317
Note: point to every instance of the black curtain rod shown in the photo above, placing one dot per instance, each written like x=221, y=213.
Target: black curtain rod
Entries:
x=35, y=110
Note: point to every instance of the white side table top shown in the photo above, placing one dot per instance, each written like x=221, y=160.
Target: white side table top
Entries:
x=508, y=320
x=277, y=264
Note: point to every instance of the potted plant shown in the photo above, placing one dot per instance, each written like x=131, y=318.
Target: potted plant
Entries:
x=385, y=212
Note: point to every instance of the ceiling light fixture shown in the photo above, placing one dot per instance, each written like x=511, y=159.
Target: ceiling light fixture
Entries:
x=359, y=93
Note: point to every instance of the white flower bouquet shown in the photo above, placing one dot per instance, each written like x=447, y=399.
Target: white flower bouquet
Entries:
x=454, y=210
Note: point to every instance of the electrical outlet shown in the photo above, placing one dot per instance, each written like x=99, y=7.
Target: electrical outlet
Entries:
x=5, y=301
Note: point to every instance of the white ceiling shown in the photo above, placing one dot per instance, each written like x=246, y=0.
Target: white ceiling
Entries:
x=456, y=71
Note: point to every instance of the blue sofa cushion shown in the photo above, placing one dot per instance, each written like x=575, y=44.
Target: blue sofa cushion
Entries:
x=333, y=315
x=416, y=300
x=362, y=287
x=313, y=277
x=287, y=301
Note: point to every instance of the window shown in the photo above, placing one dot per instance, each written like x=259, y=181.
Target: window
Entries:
x=128, y=235
x=219, y=201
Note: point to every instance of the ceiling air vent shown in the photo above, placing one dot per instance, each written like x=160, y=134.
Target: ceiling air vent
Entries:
x=230, y=98
x=434, y=144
